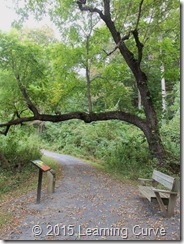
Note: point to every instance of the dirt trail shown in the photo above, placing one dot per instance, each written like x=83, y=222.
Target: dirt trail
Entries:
x=91, y=205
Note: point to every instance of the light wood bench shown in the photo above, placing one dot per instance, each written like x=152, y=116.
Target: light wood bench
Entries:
x=165, y=197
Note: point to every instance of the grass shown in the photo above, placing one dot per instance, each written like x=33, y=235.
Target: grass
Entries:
x=5, y=218
x=22, y=182
x=15, y=184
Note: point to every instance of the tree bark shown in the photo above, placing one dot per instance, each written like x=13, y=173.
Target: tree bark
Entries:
x=155, y=144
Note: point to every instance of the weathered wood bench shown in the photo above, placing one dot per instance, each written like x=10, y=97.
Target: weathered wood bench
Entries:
x=165, y=197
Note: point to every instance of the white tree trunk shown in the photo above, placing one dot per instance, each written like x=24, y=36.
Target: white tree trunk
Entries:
x=164, y=107
x=163, y=87
x=139, y=100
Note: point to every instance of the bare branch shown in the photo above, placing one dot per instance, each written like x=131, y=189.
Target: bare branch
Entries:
x=29, y=103
x=108, y=54
x=5, y=132
x=139, y=14
x=139, y=44
x=126, y=37
x=14, y=122
x=91, y=9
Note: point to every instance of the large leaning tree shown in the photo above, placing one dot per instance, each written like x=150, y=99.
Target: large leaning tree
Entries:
x=134, y=28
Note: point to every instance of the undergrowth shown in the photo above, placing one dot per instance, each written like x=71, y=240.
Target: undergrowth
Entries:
x=116, y=146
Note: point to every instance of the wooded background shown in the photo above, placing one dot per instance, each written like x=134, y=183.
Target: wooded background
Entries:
x=110, y=84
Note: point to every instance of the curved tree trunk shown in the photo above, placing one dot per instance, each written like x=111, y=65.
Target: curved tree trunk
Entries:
x=155, y=144
x=151, y=129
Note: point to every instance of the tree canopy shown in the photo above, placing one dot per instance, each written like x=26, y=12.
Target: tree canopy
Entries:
x=107, y=65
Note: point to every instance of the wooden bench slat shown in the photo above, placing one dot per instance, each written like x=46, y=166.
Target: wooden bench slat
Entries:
x=142, y=179
x=163, y=179
x=148, y=192
x=164, y=191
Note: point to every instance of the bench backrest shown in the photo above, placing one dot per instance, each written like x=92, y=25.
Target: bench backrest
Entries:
x=166, y=180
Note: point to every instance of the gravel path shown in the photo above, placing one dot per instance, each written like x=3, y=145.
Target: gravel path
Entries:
x=91, y=205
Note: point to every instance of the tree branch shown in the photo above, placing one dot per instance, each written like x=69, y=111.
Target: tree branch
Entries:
x=138, y=44
x=107, y=8
x=108, y=54
x=29, y=103
x=139, y=14
x=126, y=37
x=86, y=117
x=90, y=9
x=5, y=132
x=126, y=53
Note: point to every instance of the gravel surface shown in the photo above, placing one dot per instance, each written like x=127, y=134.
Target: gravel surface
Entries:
x=90, y=205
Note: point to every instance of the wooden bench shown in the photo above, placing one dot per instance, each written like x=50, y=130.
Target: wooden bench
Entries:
x=165, y=197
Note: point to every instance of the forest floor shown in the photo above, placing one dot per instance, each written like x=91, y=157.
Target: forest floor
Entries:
x=88, y=205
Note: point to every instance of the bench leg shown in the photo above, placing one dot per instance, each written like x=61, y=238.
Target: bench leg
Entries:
x=169, y=210
x=162, y=206
x=172, y=203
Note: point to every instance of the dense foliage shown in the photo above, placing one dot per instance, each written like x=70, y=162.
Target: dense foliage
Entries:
x=18, y=148
x=98, y=71
x=111, y=144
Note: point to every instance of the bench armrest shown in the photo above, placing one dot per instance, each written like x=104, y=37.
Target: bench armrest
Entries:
x=164, y=191
x=142, y=179
x=145, y=181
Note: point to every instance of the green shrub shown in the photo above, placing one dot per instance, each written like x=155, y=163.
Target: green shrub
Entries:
x=20, y=146
x=171, y=134
x=118, y=146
